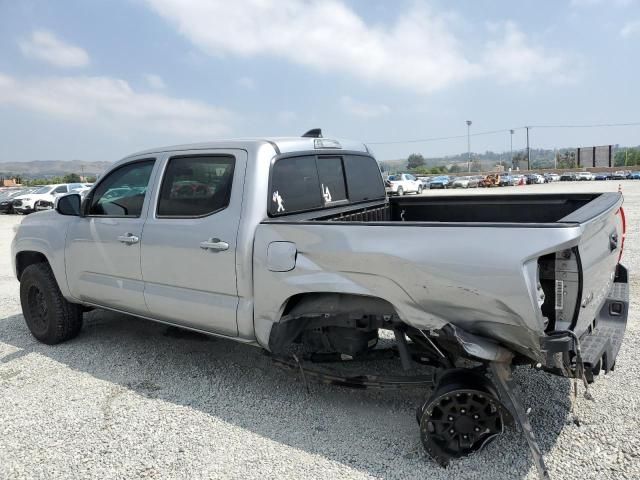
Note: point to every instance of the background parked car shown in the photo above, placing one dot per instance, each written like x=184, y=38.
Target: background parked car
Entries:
x=585, y=176
x=534, y=178
x=7, y=198
x=403, y=183
x=551, y=177
x=466, y=182
x=25, y=204
x=443, y=181
x=619, y=175
x=635, y=176
x=602, y=176
x=506, y=180
x=568, y=177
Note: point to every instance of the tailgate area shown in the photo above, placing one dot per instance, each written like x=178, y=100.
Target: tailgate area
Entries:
x=600, y=346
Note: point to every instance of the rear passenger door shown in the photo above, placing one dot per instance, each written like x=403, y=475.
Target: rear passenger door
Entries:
x=189, y=242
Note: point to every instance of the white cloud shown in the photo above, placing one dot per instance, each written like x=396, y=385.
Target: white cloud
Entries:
x=513, y=58
x=363, y=110
x=247, y=82
x=155, y=81
x=44, y=45
x=630, y=29
x=417, y=52
x=591, y=3
x=112, y=102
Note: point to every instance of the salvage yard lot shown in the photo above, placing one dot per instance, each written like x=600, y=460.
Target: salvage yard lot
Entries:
x=133, y=399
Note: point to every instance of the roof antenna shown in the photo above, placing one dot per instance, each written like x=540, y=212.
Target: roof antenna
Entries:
x=313, y=133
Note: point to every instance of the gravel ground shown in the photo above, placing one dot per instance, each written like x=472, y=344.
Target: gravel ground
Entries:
x=130, y=399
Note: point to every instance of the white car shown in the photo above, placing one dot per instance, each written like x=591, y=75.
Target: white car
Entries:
x=585, y=176
x=403, y=183
x=25, y=204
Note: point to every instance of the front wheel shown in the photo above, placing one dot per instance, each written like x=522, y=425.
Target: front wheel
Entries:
x=420, y=190
x=400, y=191
x=49, y=316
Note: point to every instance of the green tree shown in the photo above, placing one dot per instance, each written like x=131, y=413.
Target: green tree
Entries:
x=71, y=178
x=631, y=157
x=415, y=160
x=91, y=179
x=566, y=159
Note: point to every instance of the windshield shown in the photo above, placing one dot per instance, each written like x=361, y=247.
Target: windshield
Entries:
x=43, y=190
x=394, y=178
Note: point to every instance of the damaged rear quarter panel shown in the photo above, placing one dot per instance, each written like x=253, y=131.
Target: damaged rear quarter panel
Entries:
x=482, y=279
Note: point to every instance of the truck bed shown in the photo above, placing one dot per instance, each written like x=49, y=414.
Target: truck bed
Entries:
x=480, y=262
x=483, y=209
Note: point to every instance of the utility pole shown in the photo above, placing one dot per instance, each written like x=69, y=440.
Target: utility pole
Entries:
x=512, y=132
x=528, y=150
x=469, y=144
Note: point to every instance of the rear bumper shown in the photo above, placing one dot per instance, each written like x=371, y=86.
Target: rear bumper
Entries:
x=601, y=343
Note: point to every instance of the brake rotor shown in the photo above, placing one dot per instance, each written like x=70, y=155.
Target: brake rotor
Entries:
x=462, y=416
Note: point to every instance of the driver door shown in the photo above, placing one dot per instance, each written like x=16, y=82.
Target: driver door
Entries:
x=103, y=246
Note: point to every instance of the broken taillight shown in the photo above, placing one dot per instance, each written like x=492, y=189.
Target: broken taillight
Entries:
x=624, y=231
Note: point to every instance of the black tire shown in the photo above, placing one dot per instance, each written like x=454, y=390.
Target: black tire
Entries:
x=400, y=191
x=420, y=190
x=49, y=317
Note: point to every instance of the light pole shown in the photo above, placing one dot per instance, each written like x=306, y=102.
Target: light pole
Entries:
x=528, y=150
x=512, y=132
x=469, y=144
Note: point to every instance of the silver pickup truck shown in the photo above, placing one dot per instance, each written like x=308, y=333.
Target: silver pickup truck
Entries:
x=290, y=244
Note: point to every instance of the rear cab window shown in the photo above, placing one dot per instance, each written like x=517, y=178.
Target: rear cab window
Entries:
x=312, y=182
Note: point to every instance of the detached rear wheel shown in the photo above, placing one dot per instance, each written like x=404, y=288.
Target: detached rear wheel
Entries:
x=49, y=317
x=462, y=416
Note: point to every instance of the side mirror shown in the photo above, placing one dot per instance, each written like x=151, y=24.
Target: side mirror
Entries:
x=68, y=205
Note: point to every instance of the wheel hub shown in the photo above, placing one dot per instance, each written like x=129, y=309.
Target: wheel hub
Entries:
x=457, y=421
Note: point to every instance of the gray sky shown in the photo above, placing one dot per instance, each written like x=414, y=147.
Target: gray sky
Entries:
x=97, y=80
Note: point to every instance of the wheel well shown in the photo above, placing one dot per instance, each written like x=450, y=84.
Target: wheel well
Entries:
x=27, y=258
x=334, y=304
x=312, y=310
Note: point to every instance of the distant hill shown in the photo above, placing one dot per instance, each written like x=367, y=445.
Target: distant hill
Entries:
x=51, y=168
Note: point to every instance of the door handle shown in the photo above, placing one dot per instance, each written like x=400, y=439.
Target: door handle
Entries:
x=214, y=244
x=128, y=238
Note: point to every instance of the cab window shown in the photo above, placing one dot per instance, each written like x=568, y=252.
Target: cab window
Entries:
x=196, y=186
x=121, y=193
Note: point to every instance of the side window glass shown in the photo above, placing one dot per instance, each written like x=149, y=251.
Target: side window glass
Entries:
x=61, y=189
x=294, y=185
x=122, y=192
x=331, y=176
x=196, y=186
